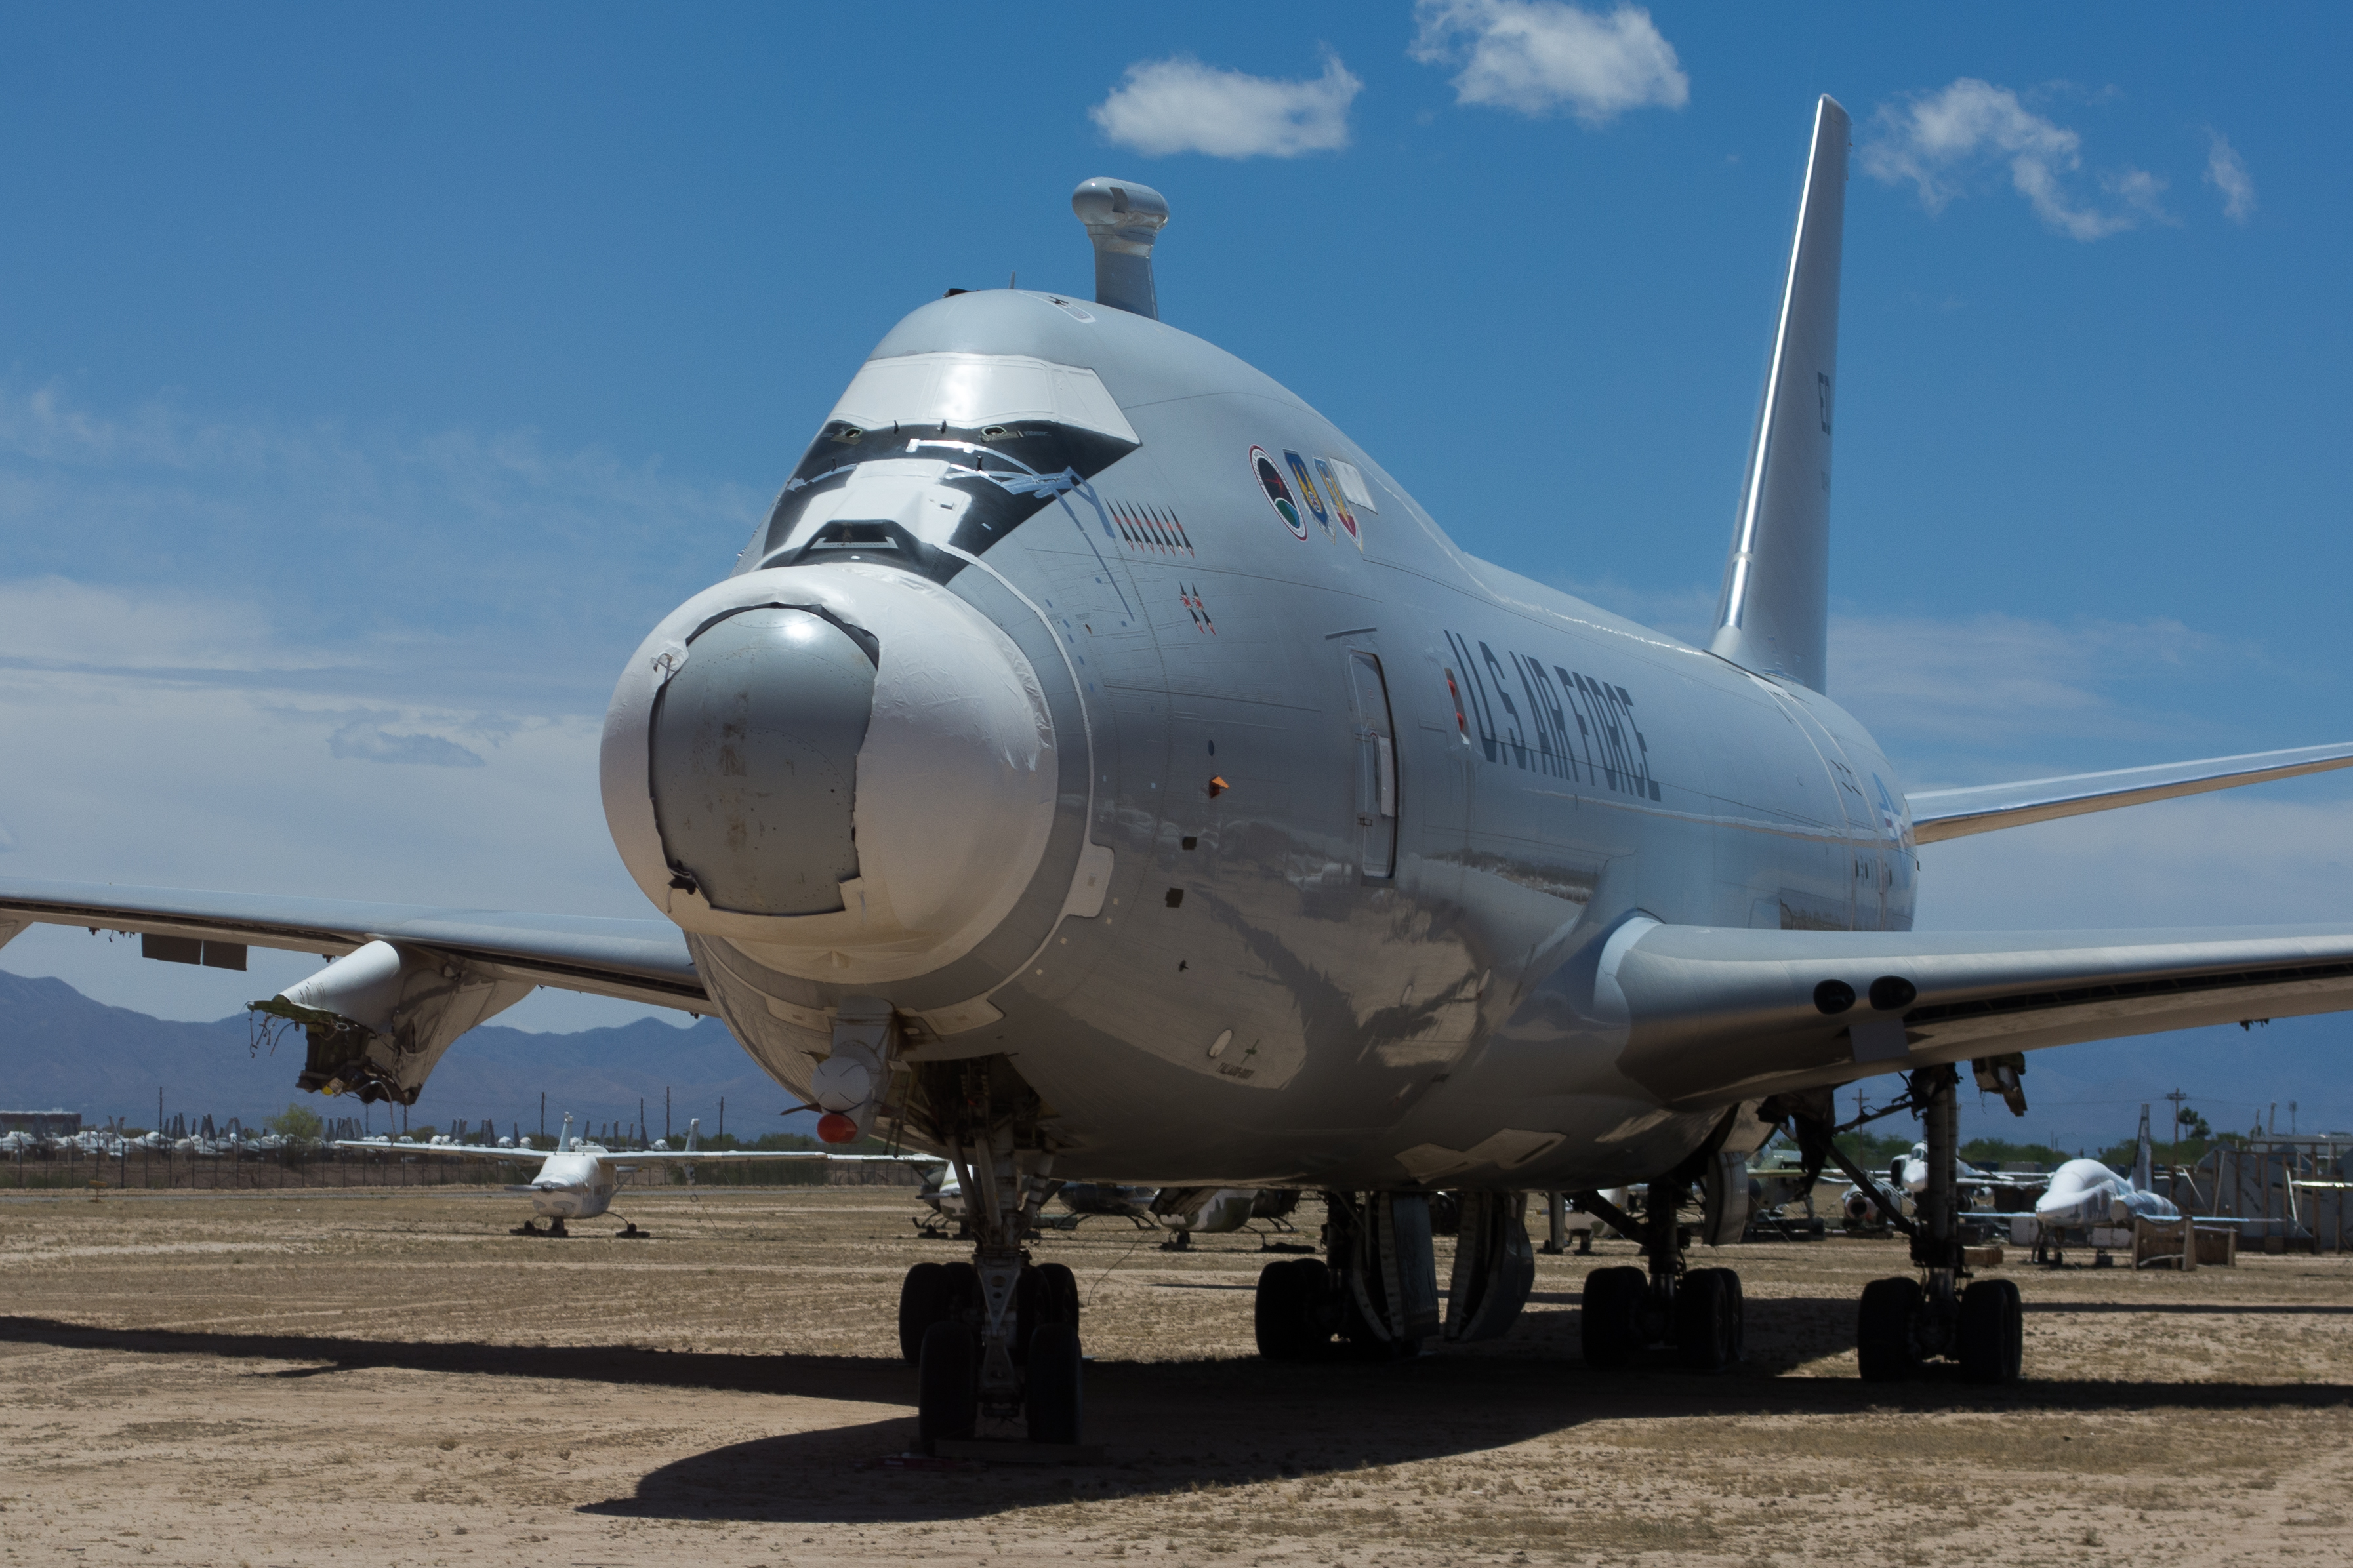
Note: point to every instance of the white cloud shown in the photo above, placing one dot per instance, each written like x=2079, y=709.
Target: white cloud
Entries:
x=367, y=742
x=1179, y=105
x=1942, y=141
x=2227, y=173
x=1540, y=56
x=1997, y=679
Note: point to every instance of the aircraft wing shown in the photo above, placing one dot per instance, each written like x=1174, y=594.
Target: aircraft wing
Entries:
x=638, y=960
x=1957, y=813
x=1718, y=1014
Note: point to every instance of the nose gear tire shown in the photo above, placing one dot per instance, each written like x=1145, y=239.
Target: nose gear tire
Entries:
x=1054, y=1393
x=946, y=1398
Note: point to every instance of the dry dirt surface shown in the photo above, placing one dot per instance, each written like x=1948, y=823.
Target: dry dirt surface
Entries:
x=354, y=1378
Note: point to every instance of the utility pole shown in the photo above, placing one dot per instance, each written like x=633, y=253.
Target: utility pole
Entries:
x=2177, y=1097
x=641, y=1121
x=723, y=1115
x=542, y=1113
x=2291, y=1118
x=665, y=1113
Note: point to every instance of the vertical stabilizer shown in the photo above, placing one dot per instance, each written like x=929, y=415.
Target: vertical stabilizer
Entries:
x=2144, y=1173
x=1774, y=613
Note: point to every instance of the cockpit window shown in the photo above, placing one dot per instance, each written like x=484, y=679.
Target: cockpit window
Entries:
x=899, y=491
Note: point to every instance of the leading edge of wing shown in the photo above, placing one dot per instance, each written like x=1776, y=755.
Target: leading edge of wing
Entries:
x=1984, y=808
x=1717, y=1013
x=644, y=961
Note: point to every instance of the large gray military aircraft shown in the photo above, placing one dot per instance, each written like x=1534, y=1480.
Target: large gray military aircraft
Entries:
x=1098, y=767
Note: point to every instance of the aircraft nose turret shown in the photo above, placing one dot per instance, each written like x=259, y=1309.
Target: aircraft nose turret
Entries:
x=846, y=769
x=755, y=761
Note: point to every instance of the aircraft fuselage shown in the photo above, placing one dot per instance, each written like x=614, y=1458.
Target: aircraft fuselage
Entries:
x=1374, y=808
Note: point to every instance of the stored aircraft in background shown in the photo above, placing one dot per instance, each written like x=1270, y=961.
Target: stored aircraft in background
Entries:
x=1098, y=767
x=577, y=1178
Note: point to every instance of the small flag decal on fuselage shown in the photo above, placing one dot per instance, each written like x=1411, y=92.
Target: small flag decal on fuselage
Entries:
x=1307, y=488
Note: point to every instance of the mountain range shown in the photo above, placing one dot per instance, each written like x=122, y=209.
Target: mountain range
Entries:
x=59, y=1048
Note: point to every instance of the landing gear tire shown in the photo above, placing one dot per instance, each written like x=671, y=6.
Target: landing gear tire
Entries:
x=1883, y=1335
x=1289, y=1312
x=1992, y=1334
x=947, y=1404
x=1609, y=1324
x=925, y=1297
x=1709, y=1312
x=1707, y=1319
x=1053, y=1392
x=1048, y=1293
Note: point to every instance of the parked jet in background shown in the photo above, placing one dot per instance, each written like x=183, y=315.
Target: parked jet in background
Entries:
x=577, y=1179
x=1099, y=767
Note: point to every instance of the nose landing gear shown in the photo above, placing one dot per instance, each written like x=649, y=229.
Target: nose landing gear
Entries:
x=996, y=1339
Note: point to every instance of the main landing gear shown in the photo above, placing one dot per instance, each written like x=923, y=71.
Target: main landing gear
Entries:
x=554, y=1228
x=1906, y=1321
x=995, y=1339
x=1699, y=1313
x=1376, y=1289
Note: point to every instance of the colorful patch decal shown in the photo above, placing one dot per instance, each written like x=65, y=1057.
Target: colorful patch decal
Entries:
x=1307, y=488
x=1278, y=494
x=1340, y=501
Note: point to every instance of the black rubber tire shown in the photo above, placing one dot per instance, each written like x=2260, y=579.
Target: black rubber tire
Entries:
x=1054, y=1393
x=1883, y=1331
x=947, y=1398
x=925, y=1297
x=1993, y=1333
x=1046, y=1293
x=1287, y=1315
x=1738, y=1306
x=1704, y=1311
x=1606, y=1323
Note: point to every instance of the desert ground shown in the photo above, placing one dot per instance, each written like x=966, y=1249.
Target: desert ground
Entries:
x=315, y=1377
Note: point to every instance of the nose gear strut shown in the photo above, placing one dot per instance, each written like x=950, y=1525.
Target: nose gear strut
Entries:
x=997, y=1340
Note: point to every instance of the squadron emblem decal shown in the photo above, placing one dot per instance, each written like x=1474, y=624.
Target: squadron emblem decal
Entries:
x=1339, y=501
x=1307, y=488
x=1278, y=494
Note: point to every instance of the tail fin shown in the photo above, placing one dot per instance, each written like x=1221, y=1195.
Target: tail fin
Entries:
x=2144, y=1176
x=1774, y=616
x=694, y=1130
x=564, y=1139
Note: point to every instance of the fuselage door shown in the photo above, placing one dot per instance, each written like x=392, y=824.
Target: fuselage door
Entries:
x=1377, y=785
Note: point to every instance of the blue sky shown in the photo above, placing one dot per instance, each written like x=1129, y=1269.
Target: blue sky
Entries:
x=369, y=383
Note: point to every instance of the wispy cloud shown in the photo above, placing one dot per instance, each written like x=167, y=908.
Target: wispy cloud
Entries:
x=372, y=742
x=2227, y=173
x=1179, y=105
x=2006, y=680
x=1945, y=140
x=1541, y=57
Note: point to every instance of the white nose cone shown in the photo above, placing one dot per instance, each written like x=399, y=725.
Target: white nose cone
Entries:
x=855, y=782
